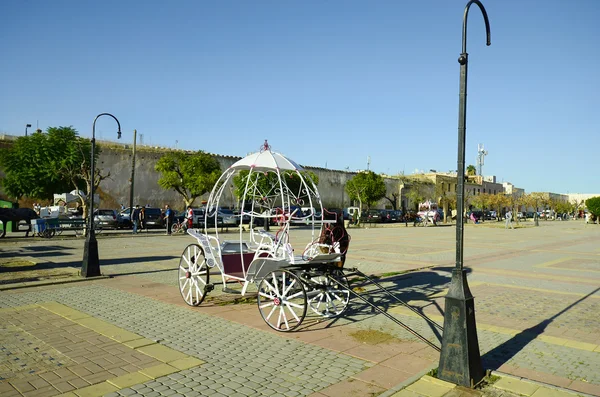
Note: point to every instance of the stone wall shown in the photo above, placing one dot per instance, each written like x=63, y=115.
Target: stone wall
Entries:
x=118, y=160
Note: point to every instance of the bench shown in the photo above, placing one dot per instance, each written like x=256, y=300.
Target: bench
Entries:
x=52, y=226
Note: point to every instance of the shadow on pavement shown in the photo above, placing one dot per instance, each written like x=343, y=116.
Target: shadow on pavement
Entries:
x=49, y=248
x=507, y=350
x=77, y=264
x=141, y=272
x=420, y=286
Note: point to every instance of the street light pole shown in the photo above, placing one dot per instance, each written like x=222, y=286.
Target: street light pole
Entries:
x=27, y=126
x=460, y=361
x=132, y=177
x=90, y=267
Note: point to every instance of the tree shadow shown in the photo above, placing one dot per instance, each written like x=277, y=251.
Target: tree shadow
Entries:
x=504, y=352
x=77, y=264
x=48, y=248
x=33, y=251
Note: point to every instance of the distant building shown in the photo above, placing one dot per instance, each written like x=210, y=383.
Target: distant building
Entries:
x=511, y=189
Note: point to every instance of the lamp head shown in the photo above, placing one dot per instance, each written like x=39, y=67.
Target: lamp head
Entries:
x=28, y=125
x=119, y=134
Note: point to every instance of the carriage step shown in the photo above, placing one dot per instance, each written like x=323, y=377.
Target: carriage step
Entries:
x=232, y=291
x=209, y=287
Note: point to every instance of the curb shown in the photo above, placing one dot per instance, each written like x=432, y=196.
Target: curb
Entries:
x=395, y=389
x=546, y=385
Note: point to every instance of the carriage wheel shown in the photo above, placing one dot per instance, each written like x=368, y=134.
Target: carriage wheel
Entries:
x=193, y=275
x=328, y=298
x=282, y=300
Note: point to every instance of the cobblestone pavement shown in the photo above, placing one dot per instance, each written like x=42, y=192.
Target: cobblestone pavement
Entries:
x=536, y=299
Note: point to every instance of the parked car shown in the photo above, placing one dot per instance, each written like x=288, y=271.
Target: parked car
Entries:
x=477, y=214
x=198, y=219
x=392, y=215
x=371, y=216
x=154, y=218
x=229, y=218
x=124, y=219
x=179, y=217
x=521, y=215
x=490, y=215
x=199, y=215
x=106, y=218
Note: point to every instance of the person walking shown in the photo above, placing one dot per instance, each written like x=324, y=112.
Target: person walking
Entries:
x=168, y=218
x=509, y=220
x=189, y=217
x=142, y=219
x=135, y=215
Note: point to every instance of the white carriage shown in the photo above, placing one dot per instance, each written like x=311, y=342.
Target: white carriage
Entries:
x=290, y=279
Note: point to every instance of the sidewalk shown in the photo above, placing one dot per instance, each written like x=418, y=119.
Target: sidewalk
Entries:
x=536, y=302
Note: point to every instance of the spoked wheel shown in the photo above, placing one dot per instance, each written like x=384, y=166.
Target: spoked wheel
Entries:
x=282, y=300
x=48, y=233
x=193, y=275
x=328, y=298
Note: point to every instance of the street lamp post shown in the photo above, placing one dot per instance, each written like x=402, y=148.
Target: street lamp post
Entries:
x=90, y=266
x=27, y=126
x=460, y=361
x=132, y=178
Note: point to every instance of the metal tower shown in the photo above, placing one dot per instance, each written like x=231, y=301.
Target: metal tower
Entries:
x=481, y=153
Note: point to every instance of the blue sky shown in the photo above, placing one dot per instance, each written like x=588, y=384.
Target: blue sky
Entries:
x=328, y=83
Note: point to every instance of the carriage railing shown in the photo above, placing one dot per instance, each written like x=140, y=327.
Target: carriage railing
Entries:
x=210, y=246
x=277, y=245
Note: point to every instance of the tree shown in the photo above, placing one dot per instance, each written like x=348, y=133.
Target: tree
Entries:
x=564, y=207
x=29, y=164
x=593, y=206
x=190, y=175
x=57, y=161
x=481, y=201
x=419, y=191
x=393, y=200
x=366, y=187
x=471, y=170
x=496, y=202
x=268, y=183
x=446, y=199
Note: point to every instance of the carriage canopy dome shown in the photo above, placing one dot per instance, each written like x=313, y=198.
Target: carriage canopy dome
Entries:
x=266, y=160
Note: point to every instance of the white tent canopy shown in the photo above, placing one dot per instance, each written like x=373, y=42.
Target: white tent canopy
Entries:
x=67, y=198
x=266, y=160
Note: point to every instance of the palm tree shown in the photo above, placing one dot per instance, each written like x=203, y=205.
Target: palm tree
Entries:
x=471, y=170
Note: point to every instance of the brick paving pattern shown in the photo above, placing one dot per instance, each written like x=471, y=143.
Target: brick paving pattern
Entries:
x=234, y=354
x=54, y=355
x=536, y=299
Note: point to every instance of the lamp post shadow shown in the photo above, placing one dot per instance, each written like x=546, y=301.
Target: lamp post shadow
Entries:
x=507, y=350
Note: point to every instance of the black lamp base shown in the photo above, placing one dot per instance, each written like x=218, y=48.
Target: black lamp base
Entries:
x=90, y=266
x=460, y=361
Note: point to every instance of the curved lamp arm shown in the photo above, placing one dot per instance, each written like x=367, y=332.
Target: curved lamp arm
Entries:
x=106, y=114
x=485, y=18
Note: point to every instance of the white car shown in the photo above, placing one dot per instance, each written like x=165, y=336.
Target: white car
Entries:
x=229, y=218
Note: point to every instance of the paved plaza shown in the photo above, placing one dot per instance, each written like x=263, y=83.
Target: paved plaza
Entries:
x=536, y=289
